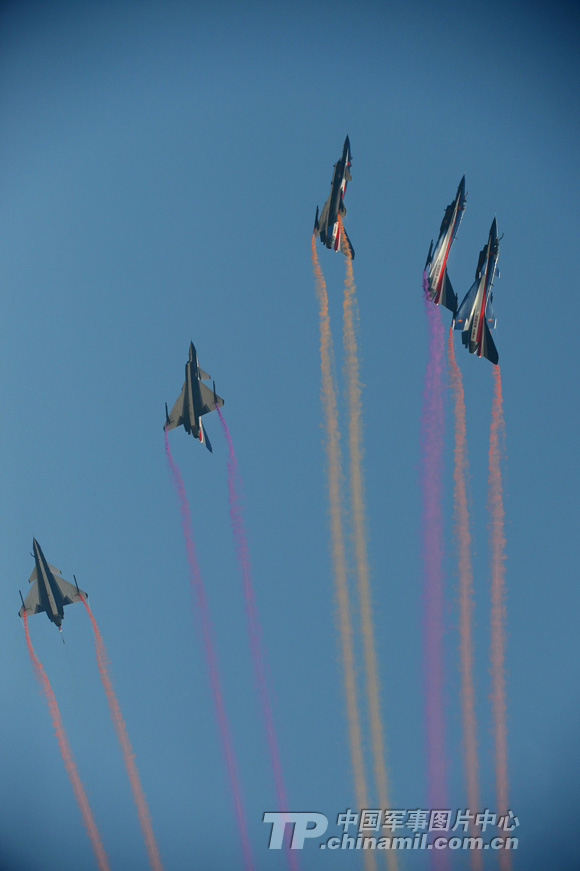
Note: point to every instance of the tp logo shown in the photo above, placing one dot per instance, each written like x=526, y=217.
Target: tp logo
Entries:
x=301, y=829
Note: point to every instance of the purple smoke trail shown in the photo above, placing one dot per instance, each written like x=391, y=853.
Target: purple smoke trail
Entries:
x=431, y=461
x=197, y=587
x=254, y=630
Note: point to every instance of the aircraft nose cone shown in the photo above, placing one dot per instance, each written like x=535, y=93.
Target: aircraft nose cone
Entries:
x=191, y=351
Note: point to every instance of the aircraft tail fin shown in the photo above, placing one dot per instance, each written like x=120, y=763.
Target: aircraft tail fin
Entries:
x=448, y=295
x=488, y=348
x=204, y=438
x=463, y=313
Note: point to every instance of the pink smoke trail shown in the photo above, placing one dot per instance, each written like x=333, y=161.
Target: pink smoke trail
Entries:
x=460, y=475
x=127, y=750
x=498, y=609
x=66, y=753
x=254, y=630
x=197, y=587
x=431, y=485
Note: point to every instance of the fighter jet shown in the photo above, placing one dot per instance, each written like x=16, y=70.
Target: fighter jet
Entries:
x=475, y=315
x=194, y=400
x=440, y=290
x=50, y=592
x=327, y=226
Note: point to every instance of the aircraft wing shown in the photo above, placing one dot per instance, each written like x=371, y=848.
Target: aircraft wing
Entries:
x=466, y=307
x=69, y=592
x=322, y=226
x=176, y=415
x=429, y=256
x=32, y=604
x=207, y=399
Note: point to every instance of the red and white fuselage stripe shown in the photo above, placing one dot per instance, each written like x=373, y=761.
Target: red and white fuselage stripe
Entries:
x=336, y=228
x=440, y=262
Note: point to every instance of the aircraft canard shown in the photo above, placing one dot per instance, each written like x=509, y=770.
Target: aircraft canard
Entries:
x=475, y=316
x=327, y=226
x=49, y=591
x=195, y=400
x=439, y=285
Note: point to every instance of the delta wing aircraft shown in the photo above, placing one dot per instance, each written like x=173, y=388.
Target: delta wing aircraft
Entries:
x=327, y=226
x=475, y=315
x=440, y=289
x=50, y=592
x=194, y=400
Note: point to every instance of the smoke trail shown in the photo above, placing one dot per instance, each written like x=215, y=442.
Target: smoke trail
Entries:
x=350, y=317
x=128, y=754
x=197, y=587
x=67, y=756
x=460, y=472
x=254, y=630
x=498, y=610
x=432, y=457
x=328, y=396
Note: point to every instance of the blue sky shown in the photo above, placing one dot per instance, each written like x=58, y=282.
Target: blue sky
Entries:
x=159, y=172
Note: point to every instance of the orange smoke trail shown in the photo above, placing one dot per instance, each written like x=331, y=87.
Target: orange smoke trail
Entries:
x=128, y=754
x=498, y=610
x=460, y=472
x=67, y=756
x=350, y=317
x=328, y=396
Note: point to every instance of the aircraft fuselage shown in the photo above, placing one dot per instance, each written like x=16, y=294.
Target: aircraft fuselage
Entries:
x=48, y=591
x=447, y=233
x=483, y=291
x=193, y=396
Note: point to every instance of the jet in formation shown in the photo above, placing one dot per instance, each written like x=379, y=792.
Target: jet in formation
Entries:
x=49, y=592
x=327, y=226
x=195, y=399
x=475, y=316
x=439, y=286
